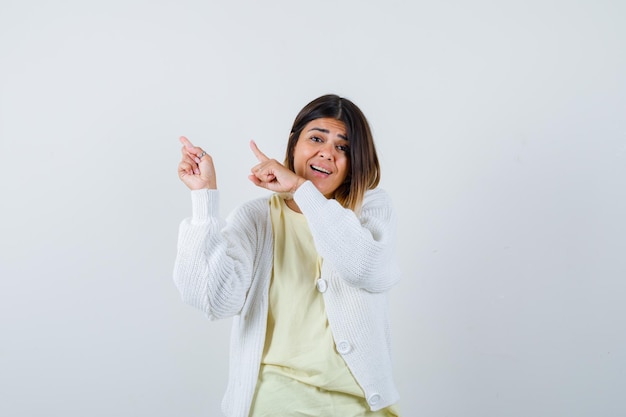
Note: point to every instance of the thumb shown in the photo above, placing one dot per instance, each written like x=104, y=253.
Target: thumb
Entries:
x=206, y=165
x=207, y=171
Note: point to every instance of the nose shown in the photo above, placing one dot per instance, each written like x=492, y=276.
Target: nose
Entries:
x=327, y=152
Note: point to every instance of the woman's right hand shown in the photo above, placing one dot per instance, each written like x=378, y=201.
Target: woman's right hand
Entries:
x=196, y=168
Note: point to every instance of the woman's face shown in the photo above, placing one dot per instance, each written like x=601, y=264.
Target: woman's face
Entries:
x=321, y=154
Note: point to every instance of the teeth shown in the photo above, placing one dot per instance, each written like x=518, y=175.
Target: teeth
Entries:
x=320, y=169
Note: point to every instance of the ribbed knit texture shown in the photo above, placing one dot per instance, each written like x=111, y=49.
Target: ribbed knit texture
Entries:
x=224, y=269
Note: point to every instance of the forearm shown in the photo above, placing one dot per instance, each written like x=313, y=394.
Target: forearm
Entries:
x=211, y=274
x=361, y=249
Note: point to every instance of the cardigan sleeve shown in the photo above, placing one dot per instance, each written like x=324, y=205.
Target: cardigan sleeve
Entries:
x=215, y=258
x=361, y=248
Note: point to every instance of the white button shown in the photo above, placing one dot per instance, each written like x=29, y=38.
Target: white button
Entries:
x=373, y=399
x=321, y=285
x=343, y=347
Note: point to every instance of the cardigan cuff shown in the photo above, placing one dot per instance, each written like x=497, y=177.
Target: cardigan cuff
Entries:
x=204, y=204
x=307, y=195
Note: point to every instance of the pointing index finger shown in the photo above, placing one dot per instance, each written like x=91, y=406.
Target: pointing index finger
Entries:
x=257, y=152
x=186, y=142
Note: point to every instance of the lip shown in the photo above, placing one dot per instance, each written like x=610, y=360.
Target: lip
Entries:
x=325, y=171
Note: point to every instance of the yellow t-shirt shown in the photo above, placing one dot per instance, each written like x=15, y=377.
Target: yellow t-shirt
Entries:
x=301, y=372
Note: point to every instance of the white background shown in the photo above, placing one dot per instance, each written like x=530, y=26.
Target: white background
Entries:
x=501, y=130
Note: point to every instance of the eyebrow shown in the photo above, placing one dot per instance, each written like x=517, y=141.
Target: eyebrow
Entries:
x=319, y=129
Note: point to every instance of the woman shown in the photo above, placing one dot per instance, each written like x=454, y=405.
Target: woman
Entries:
x=304, y=273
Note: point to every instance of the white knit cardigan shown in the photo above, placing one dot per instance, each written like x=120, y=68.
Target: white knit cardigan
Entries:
x=224, y=269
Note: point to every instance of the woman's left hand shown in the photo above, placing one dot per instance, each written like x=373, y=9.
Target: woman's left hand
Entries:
x=272, y=175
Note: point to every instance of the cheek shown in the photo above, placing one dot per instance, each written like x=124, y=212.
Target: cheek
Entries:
x=300, y=166
x=297, y=158
x=300, y=154
x=345, y=166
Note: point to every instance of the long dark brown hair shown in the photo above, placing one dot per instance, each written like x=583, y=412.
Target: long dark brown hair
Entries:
x=364, y=171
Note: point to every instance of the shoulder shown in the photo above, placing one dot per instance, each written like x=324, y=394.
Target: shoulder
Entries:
x=258, y=204
x=376, y=197
x=376, y=193
x=253, y=210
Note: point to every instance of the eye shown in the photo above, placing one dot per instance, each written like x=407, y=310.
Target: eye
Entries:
x=316, y=139
x=344, y=148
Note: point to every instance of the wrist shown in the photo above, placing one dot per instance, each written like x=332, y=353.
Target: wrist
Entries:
x=299, y=182
x=210, y=185
x=206, y=187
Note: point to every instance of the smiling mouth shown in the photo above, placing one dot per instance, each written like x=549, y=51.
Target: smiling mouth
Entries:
x=320, y=169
